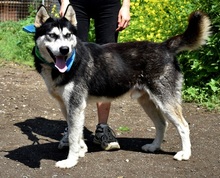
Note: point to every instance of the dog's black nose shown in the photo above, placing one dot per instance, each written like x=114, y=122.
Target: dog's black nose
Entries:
x=64, y=50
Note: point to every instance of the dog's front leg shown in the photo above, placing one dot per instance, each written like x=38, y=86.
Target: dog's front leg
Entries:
x=75, y=120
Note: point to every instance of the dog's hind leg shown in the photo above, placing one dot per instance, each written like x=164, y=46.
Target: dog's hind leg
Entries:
x=158, y=120
x=173, y=112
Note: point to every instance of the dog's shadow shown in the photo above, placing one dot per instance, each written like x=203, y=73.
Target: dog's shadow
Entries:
x=43, y=130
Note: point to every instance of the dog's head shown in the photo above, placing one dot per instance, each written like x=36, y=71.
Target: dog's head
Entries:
x=55, y=38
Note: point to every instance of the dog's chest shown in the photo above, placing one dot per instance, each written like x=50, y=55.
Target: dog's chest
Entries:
x=50, y=83
x=61, y=93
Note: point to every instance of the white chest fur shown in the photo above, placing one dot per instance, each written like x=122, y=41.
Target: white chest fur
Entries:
x=61, y=93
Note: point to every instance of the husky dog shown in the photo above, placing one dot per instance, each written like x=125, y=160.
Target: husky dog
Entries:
x=76, y=73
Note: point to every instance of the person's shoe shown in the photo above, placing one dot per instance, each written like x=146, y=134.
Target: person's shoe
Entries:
x=105, y=136
x=64, y=142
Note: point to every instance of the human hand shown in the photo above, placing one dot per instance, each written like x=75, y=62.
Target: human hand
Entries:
x=63, y=6
x=123, y=18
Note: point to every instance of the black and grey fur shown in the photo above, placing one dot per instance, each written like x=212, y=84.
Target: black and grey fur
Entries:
x=148, y=71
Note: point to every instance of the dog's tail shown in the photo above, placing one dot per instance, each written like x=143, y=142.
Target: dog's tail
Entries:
x=196, y=34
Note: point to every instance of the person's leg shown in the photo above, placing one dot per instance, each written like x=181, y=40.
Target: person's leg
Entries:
x=106, y=22
x=103, y=112
x=105, y=28
x=83, y=20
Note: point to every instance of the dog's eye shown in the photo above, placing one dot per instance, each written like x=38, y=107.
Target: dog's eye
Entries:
x=53, y=35
x=68, y=35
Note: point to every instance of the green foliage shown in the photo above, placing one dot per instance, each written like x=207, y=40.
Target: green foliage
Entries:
x=15, y=44
x=32, y=10
x=201, y=68
x=156, y=20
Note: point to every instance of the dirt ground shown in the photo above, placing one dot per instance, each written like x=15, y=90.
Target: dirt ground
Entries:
x=31, y=126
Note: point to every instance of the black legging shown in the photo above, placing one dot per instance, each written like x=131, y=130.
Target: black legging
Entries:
x=105, y=15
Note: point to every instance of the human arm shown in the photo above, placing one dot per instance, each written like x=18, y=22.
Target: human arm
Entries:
x=63, y=6
x=124, y=15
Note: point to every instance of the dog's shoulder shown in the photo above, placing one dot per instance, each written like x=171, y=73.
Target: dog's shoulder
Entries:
x=92, y=46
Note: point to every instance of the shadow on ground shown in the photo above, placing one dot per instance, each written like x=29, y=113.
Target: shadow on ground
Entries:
x=50, y=131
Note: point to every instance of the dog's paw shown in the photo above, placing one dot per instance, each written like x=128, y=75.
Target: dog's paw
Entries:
x=66, y=163
x=150, y=148
x=83, y=151
x=182, y=155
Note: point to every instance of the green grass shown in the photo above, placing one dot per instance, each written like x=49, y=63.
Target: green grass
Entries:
x=124, y=129
x=15, y=44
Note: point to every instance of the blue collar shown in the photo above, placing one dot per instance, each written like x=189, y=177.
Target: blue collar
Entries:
x=69, y=61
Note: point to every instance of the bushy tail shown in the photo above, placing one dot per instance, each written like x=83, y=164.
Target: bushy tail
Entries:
x=196, y=34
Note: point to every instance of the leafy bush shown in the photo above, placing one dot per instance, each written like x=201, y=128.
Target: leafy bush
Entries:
x=201, y=68
x=156, y=20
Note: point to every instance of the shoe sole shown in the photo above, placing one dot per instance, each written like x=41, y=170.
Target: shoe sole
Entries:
x=110, y=146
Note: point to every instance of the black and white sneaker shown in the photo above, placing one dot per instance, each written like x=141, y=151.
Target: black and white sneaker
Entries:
x=105, y=136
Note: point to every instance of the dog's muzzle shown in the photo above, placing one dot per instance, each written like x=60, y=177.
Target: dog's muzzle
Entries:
x=60, y=60
x=64, y=50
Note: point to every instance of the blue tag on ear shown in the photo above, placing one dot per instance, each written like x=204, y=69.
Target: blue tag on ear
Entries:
x=29, y=28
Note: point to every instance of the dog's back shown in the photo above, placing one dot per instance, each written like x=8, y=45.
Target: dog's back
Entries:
x=145, y=64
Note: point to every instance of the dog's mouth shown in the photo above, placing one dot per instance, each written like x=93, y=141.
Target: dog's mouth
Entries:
x=60, y=61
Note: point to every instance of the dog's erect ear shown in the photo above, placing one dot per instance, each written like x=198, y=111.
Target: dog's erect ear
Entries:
x=71, y=15
x=41, y=17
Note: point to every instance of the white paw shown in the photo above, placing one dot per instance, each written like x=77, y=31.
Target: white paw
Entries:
x=182, y=155
x=83, y=148
x=83, y=151
x=150, y=148
x=66, y=163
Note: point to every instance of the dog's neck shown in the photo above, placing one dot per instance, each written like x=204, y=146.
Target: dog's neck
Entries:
x=37, y=53
x=69, y=61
